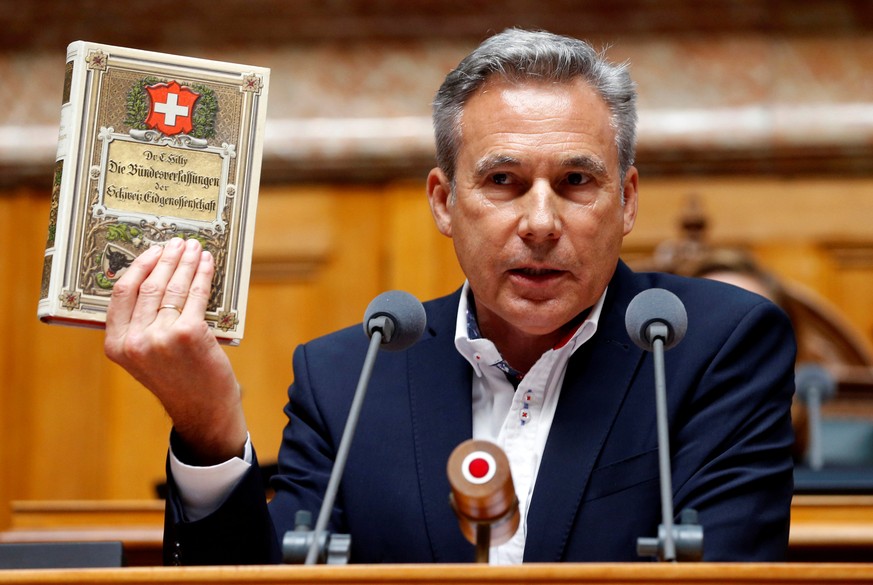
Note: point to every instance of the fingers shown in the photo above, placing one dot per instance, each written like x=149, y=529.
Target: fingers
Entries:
x=168, y=283
x=125, y=292
x=161, y=284
x=200, y=288
x=190, y=287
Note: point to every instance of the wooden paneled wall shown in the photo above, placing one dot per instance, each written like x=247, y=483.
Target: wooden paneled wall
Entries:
x=74, y=426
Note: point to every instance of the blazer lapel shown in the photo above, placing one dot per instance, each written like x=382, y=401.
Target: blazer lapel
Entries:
x=597, y=381
x=441, y=402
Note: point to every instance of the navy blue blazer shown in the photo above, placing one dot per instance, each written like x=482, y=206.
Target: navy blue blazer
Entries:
x=729, y=384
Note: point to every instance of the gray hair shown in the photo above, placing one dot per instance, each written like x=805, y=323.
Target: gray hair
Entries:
x=517, y=55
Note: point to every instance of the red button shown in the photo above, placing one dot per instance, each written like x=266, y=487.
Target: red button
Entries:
x=479, y=468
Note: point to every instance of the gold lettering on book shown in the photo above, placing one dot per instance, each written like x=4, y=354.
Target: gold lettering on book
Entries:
x=162, y=181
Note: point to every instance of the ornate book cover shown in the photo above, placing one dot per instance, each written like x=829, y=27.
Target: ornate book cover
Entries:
x=152, y=146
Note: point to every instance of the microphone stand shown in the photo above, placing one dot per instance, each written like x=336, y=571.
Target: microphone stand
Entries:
x=815, y=459
x=378, y=325
x=689, y=534
x=659, y=332
x=814, y=386
x=397, y=320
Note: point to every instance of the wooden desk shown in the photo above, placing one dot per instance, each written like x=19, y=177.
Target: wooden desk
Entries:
x=543, y=574
x=823, y=528
x=834, y=528
x=138, y=525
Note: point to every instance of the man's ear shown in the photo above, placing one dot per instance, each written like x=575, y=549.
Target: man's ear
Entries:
x=439, y=193
x=631, y=198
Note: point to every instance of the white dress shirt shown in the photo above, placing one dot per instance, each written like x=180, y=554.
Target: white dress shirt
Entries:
x=517, y=420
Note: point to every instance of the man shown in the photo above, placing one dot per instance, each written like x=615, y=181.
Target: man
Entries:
x=536, y=187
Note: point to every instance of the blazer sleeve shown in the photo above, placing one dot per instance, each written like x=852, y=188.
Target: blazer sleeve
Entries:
x=733, y=436
x=239, y=532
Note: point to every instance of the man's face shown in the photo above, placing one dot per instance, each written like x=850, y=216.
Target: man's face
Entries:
x=537, y=220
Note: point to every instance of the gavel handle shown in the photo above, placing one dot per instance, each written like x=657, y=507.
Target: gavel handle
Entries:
x=483, y=542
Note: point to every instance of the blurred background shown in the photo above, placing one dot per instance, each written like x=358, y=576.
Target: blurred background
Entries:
x=756, y=136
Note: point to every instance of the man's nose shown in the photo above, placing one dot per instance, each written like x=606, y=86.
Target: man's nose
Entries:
x=539, y=219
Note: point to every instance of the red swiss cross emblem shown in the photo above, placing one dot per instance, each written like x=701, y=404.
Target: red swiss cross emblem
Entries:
x=171, y=109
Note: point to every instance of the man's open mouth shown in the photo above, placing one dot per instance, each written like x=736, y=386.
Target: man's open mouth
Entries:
x=536, y=272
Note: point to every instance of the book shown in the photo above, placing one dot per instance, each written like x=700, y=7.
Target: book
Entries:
x=152, y=146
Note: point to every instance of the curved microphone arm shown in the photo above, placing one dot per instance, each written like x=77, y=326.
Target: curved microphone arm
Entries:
x=394, y=321
x=345, y=445
x=656, y=321
x=658, y=332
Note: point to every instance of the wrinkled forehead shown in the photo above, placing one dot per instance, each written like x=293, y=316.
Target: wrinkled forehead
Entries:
x=510, y=110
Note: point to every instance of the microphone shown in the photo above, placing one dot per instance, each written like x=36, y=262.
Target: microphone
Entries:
x=815, y=385
x=656, y=321
x=653, y=307
x=400, y=318
x=393, y=321
x=483, y=496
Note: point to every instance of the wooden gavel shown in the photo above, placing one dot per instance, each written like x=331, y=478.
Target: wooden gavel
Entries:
x=483, y=496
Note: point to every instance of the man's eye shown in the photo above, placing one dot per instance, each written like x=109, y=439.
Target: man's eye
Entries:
x=576, y=179
x=500, y=179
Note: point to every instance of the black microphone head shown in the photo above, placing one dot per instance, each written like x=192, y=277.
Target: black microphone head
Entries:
x=406, y=314
x=810, y=378
x=656, y=305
